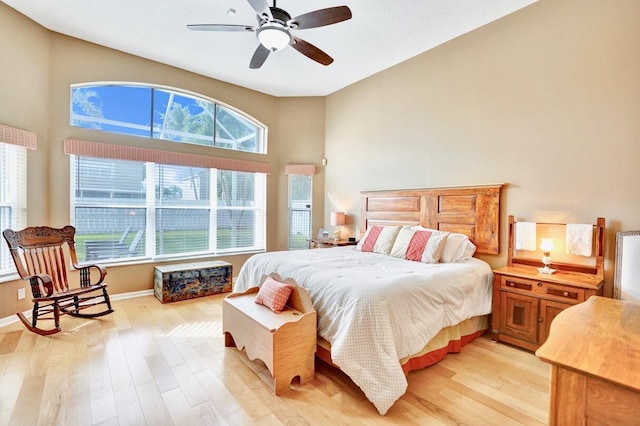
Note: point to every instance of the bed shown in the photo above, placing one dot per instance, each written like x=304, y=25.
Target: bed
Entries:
x=381, y=316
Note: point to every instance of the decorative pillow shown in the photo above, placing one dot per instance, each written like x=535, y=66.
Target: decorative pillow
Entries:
x=274, y=294
x=457, y=247
x=419, y=244
x=378, y=239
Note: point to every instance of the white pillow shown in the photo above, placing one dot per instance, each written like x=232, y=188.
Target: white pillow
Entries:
x=419, y=244
x=378, y=239
x=457, y=247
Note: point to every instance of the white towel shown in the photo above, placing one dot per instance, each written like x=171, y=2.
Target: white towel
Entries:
x=525, y=236
x=579, y=238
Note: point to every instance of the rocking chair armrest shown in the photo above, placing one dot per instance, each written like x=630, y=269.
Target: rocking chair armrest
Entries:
x=85, y=275
x=40, y=279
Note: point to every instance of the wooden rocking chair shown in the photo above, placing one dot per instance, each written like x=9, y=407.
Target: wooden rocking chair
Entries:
x=39, y=258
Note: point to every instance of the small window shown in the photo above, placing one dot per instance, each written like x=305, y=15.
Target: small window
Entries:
x=161, y=113
x=300, y=208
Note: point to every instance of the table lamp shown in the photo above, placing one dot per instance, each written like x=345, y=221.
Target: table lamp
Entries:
x=337, y=220
x=546, y=245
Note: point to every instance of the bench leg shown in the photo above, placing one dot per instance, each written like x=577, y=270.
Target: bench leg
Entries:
x=281, y=385
x=305, y=372
x=308, y=375
x=228, y=340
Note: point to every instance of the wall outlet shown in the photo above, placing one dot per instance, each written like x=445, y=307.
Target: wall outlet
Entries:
x=21, y=293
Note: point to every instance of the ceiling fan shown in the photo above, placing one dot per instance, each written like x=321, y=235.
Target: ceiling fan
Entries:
x=275, y=26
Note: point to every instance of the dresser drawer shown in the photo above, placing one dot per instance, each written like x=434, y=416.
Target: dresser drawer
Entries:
x=543, y=288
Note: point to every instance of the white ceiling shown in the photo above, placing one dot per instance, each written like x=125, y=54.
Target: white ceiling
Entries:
x=380, y=35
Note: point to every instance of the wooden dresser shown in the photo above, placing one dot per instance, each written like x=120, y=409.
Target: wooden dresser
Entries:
x=594, y=352
x=525, y=301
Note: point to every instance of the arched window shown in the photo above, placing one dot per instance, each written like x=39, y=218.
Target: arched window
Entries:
x=132, y=203
x=162, y=113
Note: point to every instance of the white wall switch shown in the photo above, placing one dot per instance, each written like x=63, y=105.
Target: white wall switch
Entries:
x=21, y=293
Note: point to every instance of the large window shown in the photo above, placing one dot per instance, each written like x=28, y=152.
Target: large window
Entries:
x=13, y=196
x=161, y=113
x=125, y=210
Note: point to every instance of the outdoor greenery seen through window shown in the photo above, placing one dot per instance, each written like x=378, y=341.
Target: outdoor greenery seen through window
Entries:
x=161, y=113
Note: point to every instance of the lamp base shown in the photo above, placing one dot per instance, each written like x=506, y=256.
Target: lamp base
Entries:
x=546, y=270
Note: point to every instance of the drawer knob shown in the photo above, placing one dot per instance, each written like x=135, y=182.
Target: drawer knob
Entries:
x=566, y=294
x=539, y=284
x=512, y=285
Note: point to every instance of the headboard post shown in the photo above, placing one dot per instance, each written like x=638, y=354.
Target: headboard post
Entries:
x=511, y=242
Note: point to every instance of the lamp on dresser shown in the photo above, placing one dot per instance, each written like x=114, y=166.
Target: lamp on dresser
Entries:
x=546, y=245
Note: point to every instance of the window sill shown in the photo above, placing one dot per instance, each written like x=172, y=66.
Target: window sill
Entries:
x=163, y=259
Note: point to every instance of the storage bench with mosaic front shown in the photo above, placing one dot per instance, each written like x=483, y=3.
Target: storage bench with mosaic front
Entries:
x=189, y=280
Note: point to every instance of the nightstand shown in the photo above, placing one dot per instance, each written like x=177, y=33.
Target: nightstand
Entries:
x=316, y=243
x=525, y=301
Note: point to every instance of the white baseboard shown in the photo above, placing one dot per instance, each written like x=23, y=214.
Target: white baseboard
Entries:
x=11, y=319
x=131, y=295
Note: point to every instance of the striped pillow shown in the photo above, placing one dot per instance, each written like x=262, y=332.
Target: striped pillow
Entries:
x=274, y=294
x=419, y=245
x=378, y=239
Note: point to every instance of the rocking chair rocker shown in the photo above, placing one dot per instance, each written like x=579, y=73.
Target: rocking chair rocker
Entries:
x=39, y=258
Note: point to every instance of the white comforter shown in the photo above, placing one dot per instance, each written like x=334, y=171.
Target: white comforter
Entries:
x=376, y=309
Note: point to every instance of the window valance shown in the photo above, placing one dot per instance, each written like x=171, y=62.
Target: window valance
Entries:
x=121, y=152
x=15, y=136
x=300, y=169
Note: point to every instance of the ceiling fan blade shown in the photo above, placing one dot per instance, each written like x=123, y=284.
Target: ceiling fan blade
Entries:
x=259, y=56
x=220, y=27
x=310, y=51
x=322, y=17
x=261, y=7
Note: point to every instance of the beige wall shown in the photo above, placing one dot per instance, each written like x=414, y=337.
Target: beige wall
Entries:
x=35, y=96
x=546, y=100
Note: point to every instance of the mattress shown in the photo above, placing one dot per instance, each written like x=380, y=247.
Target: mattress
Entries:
x=376, y=310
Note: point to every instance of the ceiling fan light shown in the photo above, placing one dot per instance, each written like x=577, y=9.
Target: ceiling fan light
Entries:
x=274, y=36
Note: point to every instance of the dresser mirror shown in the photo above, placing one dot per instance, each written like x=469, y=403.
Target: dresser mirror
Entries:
x=626, y=284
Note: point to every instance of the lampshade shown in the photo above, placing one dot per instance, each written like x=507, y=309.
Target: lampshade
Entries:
x=274, y=36
x=546, y=245
x=337, y=218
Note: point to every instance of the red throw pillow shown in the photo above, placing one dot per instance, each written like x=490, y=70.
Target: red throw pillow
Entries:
x=274, y=294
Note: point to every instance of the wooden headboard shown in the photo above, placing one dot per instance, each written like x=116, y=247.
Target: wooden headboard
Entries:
x=470, y=210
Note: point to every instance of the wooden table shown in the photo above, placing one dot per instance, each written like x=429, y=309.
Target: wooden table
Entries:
x=316, y=243
x=594, y=352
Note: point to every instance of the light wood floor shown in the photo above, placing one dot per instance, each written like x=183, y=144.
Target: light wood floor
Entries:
x=156, y=364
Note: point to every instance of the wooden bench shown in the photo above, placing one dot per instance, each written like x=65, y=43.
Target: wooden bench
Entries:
x=285, y=342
